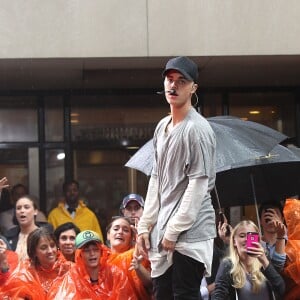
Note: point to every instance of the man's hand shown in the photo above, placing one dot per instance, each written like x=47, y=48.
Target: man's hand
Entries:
x=258, y=251
x=168, y=245
x=280, y=229
x=143, y=244
x=222, y=230
x=273, y=219
x=3, y=183
x=135, y=263
x=211, y=287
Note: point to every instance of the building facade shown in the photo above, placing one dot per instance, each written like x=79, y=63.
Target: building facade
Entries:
x=78, y=83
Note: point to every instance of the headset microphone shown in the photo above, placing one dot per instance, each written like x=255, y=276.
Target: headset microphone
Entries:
x=171, y=92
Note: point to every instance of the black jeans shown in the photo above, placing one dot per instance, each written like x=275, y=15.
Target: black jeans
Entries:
x=181, y=281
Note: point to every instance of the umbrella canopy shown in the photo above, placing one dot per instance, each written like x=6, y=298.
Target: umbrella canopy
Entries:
x=274, y=177
x=237, y=140
x=143, y=159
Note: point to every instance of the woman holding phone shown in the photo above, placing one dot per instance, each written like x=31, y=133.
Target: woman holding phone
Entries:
x=247, y=273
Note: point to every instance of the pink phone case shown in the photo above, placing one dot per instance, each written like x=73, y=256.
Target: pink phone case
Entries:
x=252, y=237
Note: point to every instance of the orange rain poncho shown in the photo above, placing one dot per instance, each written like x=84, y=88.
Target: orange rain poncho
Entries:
x=30, y=282
x=113, y=283
x=12, y=260
x=123, y=261
x=291, y=213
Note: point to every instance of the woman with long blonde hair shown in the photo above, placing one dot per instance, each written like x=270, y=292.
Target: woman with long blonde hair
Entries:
x=247, y=273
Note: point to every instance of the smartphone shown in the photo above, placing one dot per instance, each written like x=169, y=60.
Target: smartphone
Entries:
x=252, y=237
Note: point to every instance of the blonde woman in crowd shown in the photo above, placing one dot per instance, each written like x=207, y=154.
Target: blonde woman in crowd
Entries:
x=247, y=272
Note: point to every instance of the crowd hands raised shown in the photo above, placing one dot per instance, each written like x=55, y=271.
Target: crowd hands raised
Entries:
x=39, y=262
x=68, y=260
x=261, y=270
x=52, y=265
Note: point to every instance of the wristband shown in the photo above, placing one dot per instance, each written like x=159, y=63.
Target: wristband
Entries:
x=280, y=238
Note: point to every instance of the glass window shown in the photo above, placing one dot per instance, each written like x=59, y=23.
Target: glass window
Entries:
x=103, y=180
x=129, y=122
x=33, y=173
x=18, y=119
x=13, y=165
x=55, y=174
x=275, y=110
x=212, y=105
x=21, y=166
x=54, y=123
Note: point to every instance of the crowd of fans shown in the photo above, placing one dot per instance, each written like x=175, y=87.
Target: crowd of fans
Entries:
x=68, y=257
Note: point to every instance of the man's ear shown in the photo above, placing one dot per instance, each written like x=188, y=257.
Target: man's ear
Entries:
x=194, y=88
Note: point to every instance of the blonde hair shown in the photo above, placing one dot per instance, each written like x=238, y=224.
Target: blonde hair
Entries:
x=238, y=273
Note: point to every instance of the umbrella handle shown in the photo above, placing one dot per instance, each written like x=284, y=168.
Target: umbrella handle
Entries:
x=255, y=202
x=218, y=199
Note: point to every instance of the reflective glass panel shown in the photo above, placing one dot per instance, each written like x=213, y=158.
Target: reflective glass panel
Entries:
x=126, y=122
x=275, y=110
x=18, y=119
x=55, y=174
x=54, y=126
x=103, y=180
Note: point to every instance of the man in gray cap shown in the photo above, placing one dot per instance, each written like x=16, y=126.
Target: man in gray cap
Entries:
x=178, y=209
x=132, y=207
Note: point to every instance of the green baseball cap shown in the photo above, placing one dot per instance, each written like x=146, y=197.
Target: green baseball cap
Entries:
x=85, y=237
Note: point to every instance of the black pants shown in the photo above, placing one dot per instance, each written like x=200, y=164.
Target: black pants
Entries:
x=181, y=281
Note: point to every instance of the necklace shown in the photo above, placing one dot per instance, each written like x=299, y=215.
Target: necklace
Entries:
x=249, y=274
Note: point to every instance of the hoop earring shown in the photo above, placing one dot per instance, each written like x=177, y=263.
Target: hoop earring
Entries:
x=195, y=104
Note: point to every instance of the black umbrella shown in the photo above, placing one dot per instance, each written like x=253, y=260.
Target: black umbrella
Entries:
x=143, y=159
x=237, y=140
x=274, y=177
x=271, y=178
